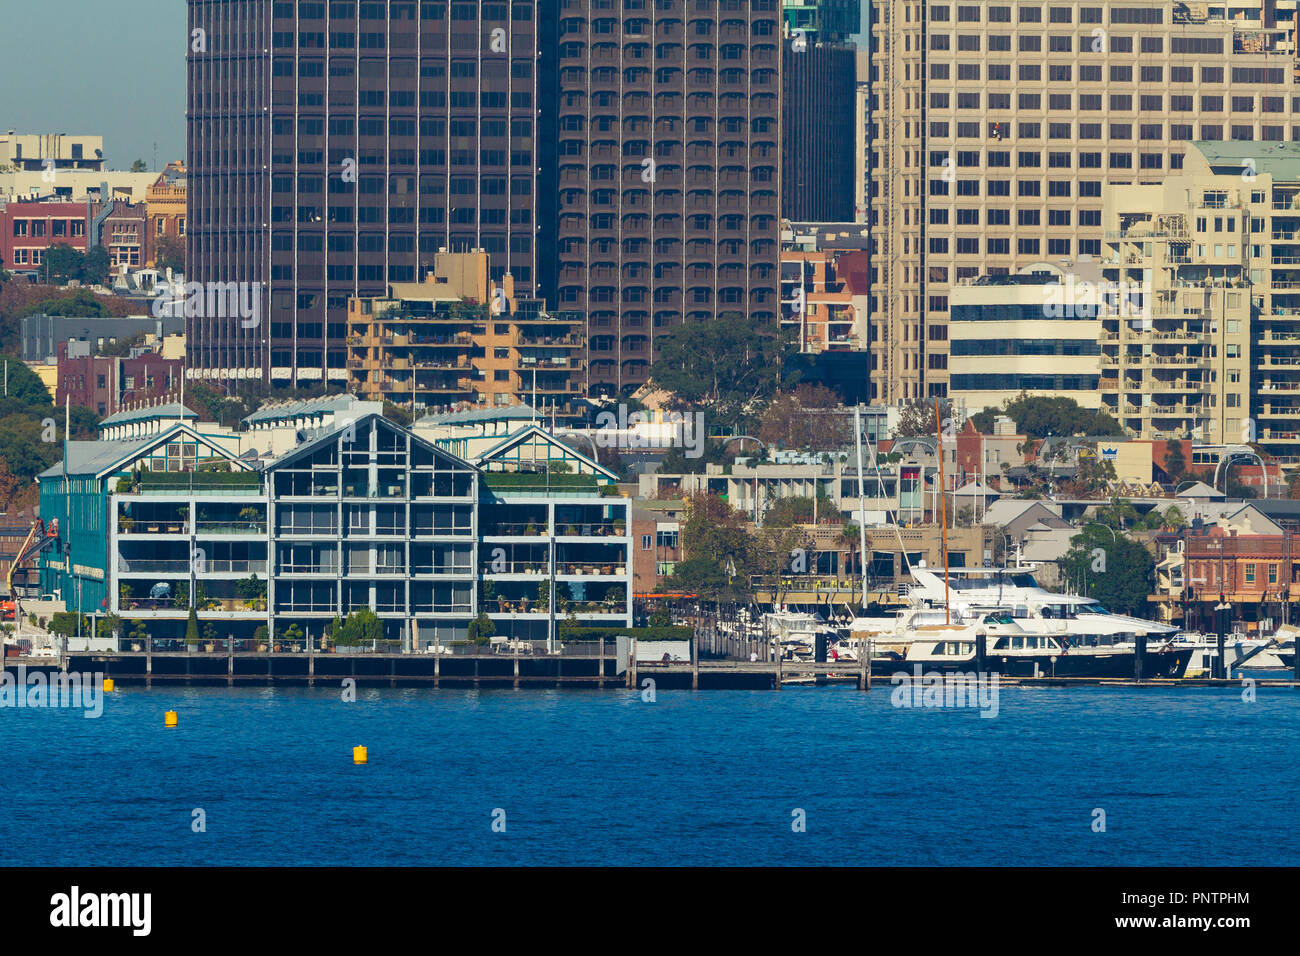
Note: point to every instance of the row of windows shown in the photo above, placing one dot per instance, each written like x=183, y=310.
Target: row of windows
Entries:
x=1016, y=382
x=1033, y=187
x=970, y=13
x=1092, y=102
x=57, y=227
x=1001, y=246
x=376, y=10
x=1026, y=346
x=1116, y=73
x=1177, y=132
x=1097, y=42
x=1007, y=312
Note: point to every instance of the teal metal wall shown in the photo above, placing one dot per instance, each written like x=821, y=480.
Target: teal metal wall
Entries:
x=85, y=532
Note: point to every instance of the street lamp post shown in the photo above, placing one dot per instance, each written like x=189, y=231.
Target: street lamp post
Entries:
x=1220, y=617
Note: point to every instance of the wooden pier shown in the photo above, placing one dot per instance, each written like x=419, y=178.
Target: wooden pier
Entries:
x=519, y=670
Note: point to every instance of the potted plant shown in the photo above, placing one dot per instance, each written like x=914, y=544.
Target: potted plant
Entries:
x=260, y=636
x=619, y=525
x=481, y=629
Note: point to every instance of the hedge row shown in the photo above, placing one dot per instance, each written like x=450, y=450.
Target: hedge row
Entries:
x=660, y=633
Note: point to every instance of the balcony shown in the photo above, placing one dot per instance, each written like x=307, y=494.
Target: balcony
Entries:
x=202, y=527
x=127, y=525
x=193, y=483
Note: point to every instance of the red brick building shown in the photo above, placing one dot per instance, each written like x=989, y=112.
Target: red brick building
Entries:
x=656, y=544
x=106, y=384
x=27, y=229
x=1257, y=574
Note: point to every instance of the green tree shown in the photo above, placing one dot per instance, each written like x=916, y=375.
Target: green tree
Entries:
x=800, y=420
x=705, y=577
x=717, y=550
x=1040, y=415
x=726, y=365
x=251, y=589
x=481, y=628
x=786, y=512
x=916, y=418
x=140, y=633
x=169, y=253
x=79, y=304
x=192, y=628
x=1173, y=519
x=1116, y=571
x=66, y=624
x=23, y=445
x=24, y=385
x=63, y=263
x=1092, y=478
x=84, y=424
x=361, y=626
x=139, y=167
x=291, y=634
x=96, y=266
x=1119, y=514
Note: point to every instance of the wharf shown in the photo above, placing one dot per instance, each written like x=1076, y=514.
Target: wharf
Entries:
x=520, y=670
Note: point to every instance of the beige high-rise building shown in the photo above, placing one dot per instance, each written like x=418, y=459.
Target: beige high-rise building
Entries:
x=1176, y=336
x=1256, y=186
x=999, y=125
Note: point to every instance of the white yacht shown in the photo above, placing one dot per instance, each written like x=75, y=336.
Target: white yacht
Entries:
x=1021, y=620
x=795, y=634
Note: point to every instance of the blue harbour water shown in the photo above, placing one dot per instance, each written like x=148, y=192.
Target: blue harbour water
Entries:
x=1185, y=777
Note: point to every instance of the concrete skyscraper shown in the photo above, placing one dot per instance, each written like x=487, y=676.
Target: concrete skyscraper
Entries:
x=669, y=171
x=997, y=127
x=335, y=147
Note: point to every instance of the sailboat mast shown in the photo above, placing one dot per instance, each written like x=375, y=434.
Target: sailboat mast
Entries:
x=862, y=505
x=943, y=509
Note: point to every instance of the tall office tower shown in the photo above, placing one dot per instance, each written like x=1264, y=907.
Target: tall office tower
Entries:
x=999, y=124
x=862, y=116
x=335, y=147
x=818, y=117
x=669, y=158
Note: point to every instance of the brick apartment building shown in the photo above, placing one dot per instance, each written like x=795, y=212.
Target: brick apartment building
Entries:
x=106, y=384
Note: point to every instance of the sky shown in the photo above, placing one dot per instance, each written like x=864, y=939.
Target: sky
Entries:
x=98, y=68
x=90, y=67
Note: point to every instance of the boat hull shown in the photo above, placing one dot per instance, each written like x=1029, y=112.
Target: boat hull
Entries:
x=1120, y=664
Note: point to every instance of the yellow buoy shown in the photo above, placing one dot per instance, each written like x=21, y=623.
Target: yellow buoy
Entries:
x=360, y=755
x=169, y=718
x=108, y=685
